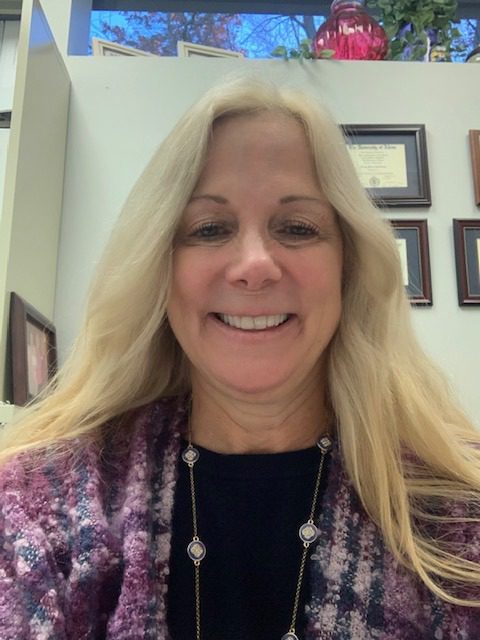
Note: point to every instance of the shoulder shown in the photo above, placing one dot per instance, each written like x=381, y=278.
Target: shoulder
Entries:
x=26, y=481
x=37, y=483
x=167, y=413
x=164, y=414
x=36, y=515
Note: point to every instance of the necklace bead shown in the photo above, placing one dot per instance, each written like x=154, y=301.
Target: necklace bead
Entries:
x=196, y=550
x=190, y=455
x=325, y=444
x=308, y=533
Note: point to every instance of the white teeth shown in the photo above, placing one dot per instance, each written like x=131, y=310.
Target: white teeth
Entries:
x=253, y=323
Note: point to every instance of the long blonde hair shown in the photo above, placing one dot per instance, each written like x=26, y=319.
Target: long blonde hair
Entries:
x=405, y=443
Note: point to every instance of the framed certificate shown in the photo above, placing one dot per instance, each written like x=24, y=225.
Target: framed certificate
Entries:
x=391, y=161
x=412, y=243
x=466, y=235
x=474, y=136
x=33, y=350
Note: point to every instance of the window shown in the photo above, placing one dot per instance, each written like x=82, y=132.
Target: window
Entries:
x=256, y=35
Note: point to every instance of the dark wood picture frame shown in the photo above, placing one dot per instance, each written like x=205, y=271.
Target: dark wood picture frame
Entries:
x=474, y=137
x=5, y=119
x=33, y=350
x=415, y=255
x=466, y=234
x=384, y=142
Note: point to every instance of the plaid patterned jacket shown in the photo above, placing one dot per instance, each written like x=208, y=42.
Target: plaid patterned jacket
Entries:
x=84, y=551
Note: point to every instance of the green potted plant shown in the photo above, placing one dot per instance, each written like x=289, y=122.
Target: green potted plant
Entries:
x=304, y=52
x=415, y=27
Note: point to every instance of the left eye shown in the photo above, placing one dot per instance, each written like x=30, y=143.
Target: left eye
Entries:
x=298, y=229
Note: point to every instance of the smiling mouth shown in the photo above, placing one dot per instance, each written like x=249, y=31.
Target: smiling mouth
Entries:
x=253, y=323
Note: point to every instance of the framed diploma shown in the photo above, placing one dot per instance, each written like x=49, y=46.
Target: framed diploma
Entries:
x=33, y=350
x=412, y=243
x=474, y=136
x=391, y=161
x=466, y=235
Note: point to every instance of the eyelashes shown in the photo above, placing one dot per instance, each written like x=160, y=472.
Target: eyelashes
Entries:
x=211, y=230
x=299, y=229
x=285, y=231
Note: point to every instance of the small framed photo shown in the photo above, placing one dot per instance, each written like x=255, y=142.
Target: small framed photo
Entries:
x=106, y=48
x=190, y=50
x=412, y=243
x=33, y=350
x=392, y=163
x=474, y=136
x=5, y=119
x=466, y=234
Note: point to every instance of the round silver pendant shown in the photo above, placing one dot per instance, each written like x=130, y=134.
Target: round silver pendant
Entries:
x=308, y=532
x=190, y=455
x=290, y=636
x=196, y=550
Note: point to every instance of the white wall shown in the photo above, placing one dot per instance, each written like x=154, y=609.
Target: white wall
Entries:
x=121, y=108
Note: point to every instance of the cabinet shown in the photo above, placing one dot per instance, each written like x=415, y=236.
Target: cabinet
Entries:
x=30, y=211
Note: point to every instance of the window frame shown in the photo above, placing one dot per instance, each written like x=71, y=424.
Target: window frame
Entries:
x=466, y=8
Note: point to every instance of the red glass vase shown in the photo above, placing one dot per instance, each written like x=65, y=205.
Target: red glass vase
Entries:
x=351, y=33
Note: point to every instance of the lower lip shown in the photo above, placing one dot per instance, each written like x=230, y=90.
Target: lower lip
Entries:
x=254, y=334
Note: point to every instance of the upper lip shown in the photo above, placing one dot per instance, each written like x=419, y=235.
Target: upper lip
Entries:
x=253, y=314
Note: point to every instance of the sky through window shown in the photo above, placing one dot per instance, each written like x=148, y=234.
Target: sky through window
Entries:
x=255, y=35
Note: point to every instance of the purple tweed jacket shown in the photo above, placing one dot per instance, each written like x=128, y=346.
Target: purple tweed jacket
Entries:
x=84, y=551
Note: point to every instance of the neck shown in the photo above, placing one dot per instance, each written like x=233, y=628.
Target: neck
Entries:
x=227, y=424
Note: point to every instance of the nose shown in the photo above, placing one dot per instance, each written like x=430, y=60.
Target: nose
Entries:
x=253, y=264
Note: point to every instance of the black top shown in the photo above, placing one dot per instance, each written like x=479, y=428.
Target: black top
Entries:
x=249, y=509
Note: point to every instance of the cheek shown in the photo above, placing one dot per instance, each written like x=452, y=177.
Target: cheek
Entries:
x=324, y=281
x=183, y=279
x=190, y=282
x=178, y=297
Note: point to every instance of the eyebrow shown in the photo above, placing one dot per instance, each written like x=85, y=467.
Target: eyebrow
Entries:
x=208, y=196
x=296, y=198
x=284, y=200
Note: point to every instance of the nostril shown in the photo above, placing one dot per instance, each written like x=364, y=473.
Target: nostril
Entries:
x=254, y=270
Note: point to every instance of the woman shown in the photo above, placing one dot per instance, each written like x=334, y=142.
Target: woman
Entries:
x=247, y=442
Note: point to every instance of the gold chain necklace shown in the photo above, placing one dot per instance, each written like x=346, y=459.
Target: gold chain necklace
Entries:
x=307, y=532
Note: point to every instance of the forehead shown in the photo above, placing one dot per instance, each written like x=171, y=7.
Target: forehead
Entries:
x=258, y=126
x=266, y=145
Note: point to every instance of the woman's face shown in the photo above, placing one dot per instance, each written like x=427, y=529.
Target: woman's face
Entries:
x=257, y=266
